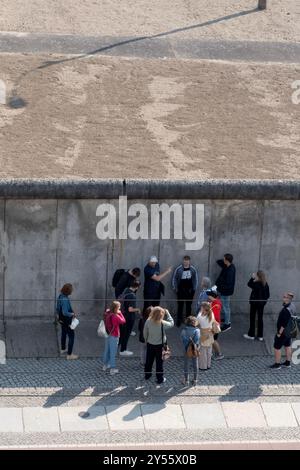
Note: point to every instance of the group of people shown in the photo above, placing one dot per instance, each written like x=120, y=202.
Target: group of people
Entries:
x=200, y=333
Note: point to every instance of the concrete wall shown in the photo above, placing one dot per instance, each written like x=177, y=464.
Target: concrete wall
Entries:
x=47, y=242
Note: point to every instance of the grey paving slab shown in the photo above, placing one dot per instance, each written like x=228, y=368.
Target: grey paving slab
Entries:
x=125, y=417
x=244, y=415
x=296, y=409
x=11, y=420
x=163, y=417
x=70, y=421
x=38, y=419
x=203, y=416
x=279, y=415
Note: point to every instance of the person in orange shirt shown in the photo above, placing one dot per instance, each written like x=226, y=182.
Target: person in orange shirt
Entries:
x=216, y=306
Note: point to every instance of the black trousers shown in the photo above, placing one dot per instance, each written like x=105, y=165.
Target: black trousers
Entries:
x=151, y=303
x=256, y=309
x=66, y=331
x=184, y=297
x=126, y=329
x=154, y=352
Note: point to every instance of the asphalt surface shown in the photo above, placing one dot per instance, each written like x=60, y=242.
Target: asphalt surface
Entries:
x=158, y=46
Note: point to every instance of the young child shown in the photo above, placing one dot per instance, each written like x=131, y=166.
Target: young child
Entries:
x=191, y=330
x=216, y=306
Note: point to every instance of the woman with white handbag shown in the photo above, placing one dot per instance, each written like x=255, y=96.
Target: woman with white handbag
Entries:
x=68, y=321
x=113, y=318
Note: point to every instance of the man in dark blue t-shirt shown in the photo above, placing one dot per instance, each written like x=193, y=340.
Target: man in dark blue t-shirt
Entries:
x=153, y=286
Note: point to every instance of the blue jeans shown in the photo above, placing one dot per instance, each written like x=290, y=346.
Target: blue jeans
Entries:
x=110, y=351
x=226, y=308
x=66, y=331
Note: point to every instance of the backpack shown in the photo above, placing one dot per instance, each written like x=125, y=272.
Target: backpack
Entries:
x=117, y=277
x=291, y=329
x=192, y=349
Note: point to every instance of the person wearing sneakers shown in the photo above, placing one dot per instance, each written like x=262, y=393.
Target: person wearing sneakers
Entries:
x=260, y=293
x=216, y=306
x=281, y=339
x=184, y=283
x=190, y=333
x=130, y=312
x=206, y=319
x=155, y=336
x=65, y=316
x=113, y=318
x=225, y=285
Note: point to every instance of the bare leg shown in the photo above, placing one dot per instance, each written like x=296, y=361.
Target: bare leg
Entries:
x=216, y=348
x=288, y=352
x=278, y=355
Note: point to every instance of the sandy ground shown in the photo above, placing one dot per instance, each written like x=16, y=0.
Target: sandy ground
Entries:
x=110, y=117
x=280, y=22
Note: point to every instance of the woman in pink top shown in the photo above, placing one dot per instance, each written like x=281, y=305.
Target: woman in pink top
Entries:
x=113, y=318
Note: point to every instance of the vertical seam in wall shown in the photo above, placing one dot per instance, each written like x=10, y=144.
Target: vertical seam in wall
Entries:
x=4, y=259
x=261, y=231
x=55, y=273
x=210, y=235
x=106, y=284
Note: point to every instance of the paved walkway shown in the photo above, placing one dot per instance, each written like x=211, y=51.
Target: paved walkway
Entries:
x=239, y=399
x=147, y=417
x=157, y=46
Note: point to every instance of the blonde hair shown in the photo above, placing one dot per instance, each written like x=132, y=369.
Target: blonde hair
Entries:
x=157, y=314
x=207, y=311
x=115, y=305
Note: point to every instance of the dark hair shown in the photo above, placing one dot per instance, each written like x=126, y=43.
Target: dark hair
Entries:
x=228, y=257
x=212, y=293
x=135, y=284
x=192, y=321
x=136, y=272
x=146, y=313
x=187, y=257
x=66, y=289
x=262, y=277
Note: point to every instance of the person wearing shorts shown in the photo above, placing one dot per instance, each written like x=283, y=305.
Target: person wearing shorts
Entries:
x=281, y=340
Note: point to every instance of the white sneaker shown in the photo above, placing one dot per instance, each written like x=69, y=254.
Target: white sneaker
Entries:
x=114, y=371
x=248, y=337
x=126, y=353
x=260, y=339
x=133, y=333
x=104, y=368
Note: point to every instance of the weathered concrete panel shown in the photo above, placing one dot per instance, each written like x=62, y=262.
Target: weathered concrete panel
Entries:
x=81, y=256
x=30, y=246
x=130, y=253
x=280, y=251
x=30, y=339
x=171, y=254
x=236, y=229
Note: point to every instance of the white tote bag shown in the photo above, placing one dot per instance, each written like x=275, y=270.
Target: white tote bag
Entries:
x=101, y=331
x=74, y=324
